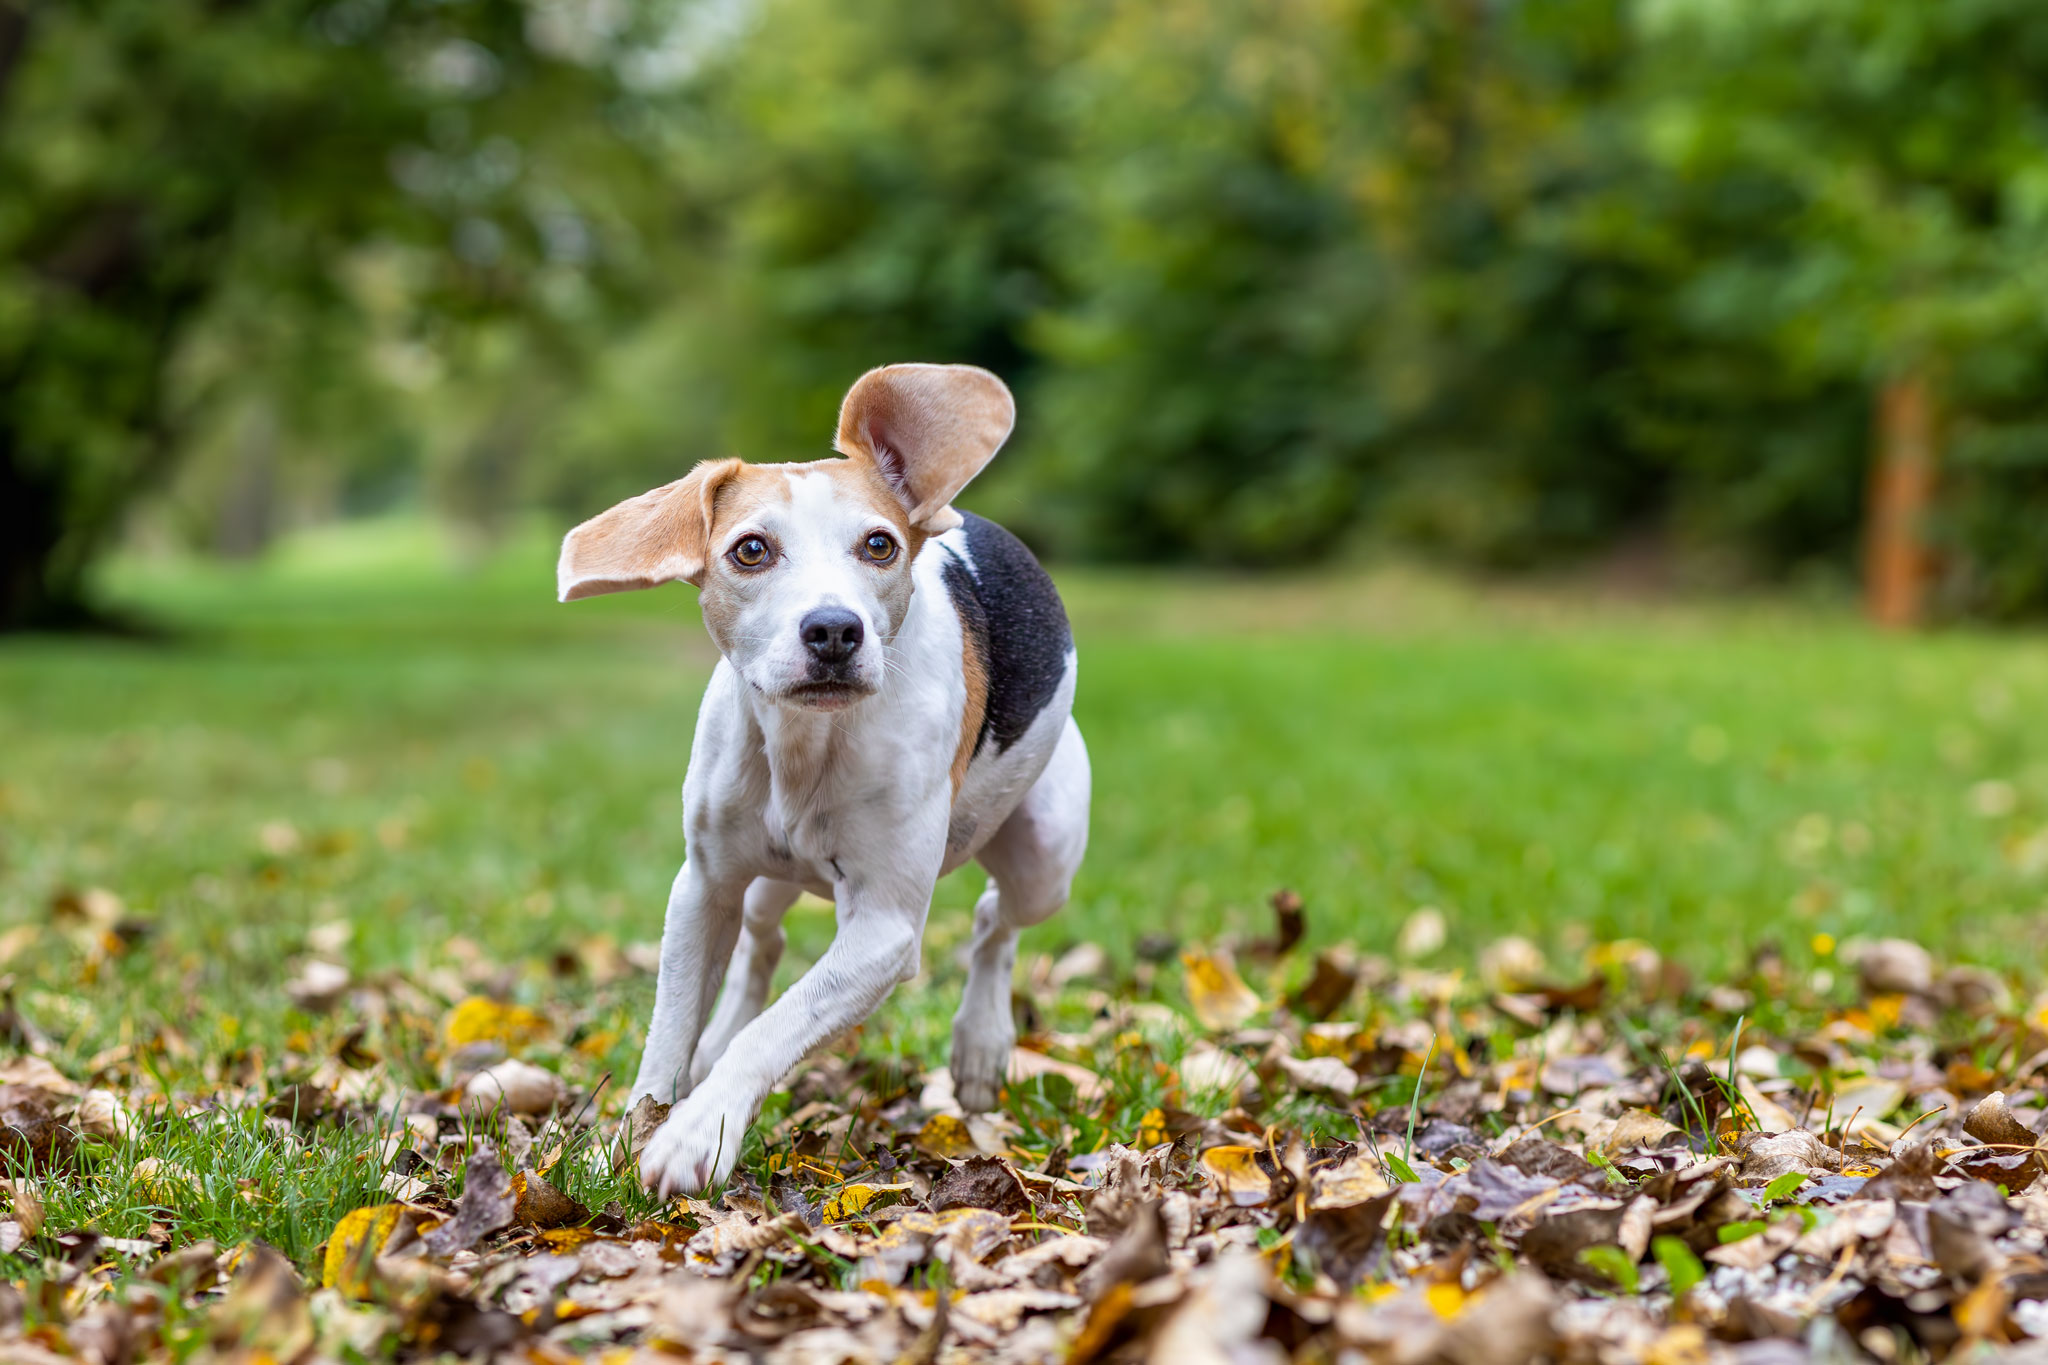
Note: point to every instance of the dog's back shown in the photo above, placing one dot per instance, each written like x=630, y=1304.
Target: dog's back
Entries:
x=1018, y=660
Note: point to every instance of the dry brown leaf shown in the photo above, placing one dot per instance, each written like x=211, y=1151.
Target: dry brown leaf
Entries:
x=1991, y=1121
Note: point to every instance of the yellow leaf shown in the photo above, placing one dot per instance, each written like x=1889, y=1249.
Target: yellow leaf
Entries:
x=854, y=1200
x=1339, y=1040
x=477, y=1020
x=1218, y=994
x=354, y=1244
x=1235, y=1173
x=1981, y=1312
x=945, y=1136
x=1446, y=1298
x=1152, y=1128
x=599, y=1043
x=566, y=1239
x=850, y=1200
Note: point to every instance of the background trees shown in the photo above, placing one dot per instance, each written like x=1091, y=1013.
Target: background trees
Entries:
x=257, y=201
x=1276, y=278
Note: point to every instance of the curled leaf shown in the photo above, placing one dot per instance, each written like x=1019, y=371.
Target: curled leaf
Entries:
x=1218, y=995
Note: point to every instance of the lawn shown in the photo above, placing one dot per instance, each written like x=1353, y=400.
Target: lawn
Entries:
x=446, y=778
x=455, y=754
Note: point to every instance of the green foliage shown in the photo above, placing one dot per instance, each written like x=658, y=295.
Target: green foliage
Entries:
x=1681, y=1267
x=200, y=195
x=1273, y=278
x=1784, y=1187
x=1617, y=1265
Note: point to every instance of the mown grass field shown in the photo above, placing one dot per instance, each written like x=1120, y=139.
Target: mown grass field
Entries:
x=475, y=779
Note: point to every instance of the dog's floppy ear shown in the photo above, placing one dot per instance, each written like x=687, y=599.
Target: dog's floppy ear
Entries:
x=929, y=429
x=658, y=537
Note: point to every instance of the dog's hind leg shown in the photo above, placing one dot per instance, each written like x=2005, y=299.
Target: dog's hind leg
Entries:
x=1031, y=861
x=752, y=971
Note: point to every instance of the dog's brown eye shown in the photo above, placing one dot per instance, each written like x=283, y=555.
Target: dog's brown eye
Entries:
x=881, y=547
x=750, y=551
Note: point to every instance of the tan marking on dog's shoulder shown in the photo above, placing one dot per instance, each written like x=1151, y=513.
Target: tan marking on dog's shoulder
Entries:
x=974, y=672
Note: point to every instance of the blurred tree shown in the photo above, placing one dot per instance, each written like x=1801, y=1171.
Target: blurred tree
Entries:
x=166, y=158
x=1215, y=388
x=869, y=179
x=1902, y=154
x=1507, y=279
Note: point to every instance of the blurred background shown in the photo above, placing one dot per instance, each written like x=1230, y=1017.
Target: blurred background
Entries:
x=1363, y=349
x=1708, y=289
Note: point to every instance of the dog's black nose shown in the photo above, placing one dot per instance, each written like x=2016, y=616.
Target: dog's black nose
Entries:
x=832, y=634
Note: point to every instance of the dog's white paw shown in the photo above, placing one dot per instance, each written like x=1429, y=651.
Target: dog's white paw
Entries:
x=696, y=1149
x=980, y=1064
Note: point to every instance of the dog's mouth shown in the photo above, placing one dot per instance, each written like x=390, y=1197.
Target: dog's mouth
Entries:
x=826, y=695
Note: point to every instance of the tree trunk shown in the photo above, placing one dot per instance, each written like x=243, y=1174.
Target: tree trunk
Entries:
x=1898, y=563
x=32, y=596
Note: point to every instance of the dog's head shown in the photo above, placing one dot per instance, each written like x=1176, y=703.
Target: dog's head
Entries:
x=805, y=568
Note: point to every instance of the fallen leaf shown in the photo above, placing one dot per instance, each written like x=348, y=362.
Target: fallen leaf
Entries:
x=487, y=1204
x=1330, y=984
x=26, y=1206
x=855, y=1199
x=38, y=1074
x=318, y=987
x=982, y=1182
x=353, y=1246
x=1636, y=1129
x=31, y=1138
x=943, y=1135
x=1236, y=1174
x=1321, y=1075
x=1210, y=1070
x=1422, y=933
x=537, y=1204
x=1220, y=999
x=515, y=1086
x=480, y=1020
x=1991, y=1121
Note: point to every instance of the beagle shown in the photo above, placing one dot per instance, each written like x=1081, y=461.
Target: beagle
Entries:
x=893, y=700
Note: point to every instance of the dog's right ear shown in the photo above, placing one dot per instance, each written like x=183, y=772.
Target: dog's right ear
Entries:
x=929, y=429
x=658, y=537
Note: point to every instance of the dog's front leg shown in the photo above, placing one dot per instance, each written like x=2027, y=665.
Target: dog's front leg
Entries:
x=875, y=947
x=696, y=941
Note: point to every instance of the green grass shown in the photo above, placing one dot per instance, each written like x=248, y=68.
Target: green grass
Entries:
x=470, y=773
x=464, y=757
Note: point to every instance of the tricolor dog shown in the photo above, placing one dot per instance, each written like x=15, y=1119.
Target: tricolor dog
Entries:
x=893, y=700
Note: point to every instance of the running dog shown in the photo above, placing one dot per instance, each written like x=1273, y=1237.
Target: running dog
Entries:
x=894, y=699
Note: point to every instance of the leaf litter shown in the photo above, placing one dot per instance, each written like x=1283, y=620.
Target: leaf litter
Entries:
x=1275, y=1155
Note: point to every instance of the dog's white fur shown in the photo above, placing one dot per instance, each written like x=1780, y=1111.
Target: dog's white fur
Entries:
x=851, y=792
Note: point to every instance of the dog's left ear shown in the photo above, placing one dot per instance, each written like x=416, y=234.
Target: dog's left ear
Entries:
x=929, y=429
x=658, y=537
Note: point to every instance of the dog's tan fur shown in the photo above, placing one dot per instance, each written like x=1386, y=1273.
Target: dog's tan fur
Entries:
x=954, y=417
x=974, y=671
x=658, y=537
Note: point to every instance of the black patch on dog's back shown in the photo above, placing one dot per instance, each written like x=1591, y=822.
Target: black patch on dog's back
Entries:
x=1012, y=615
